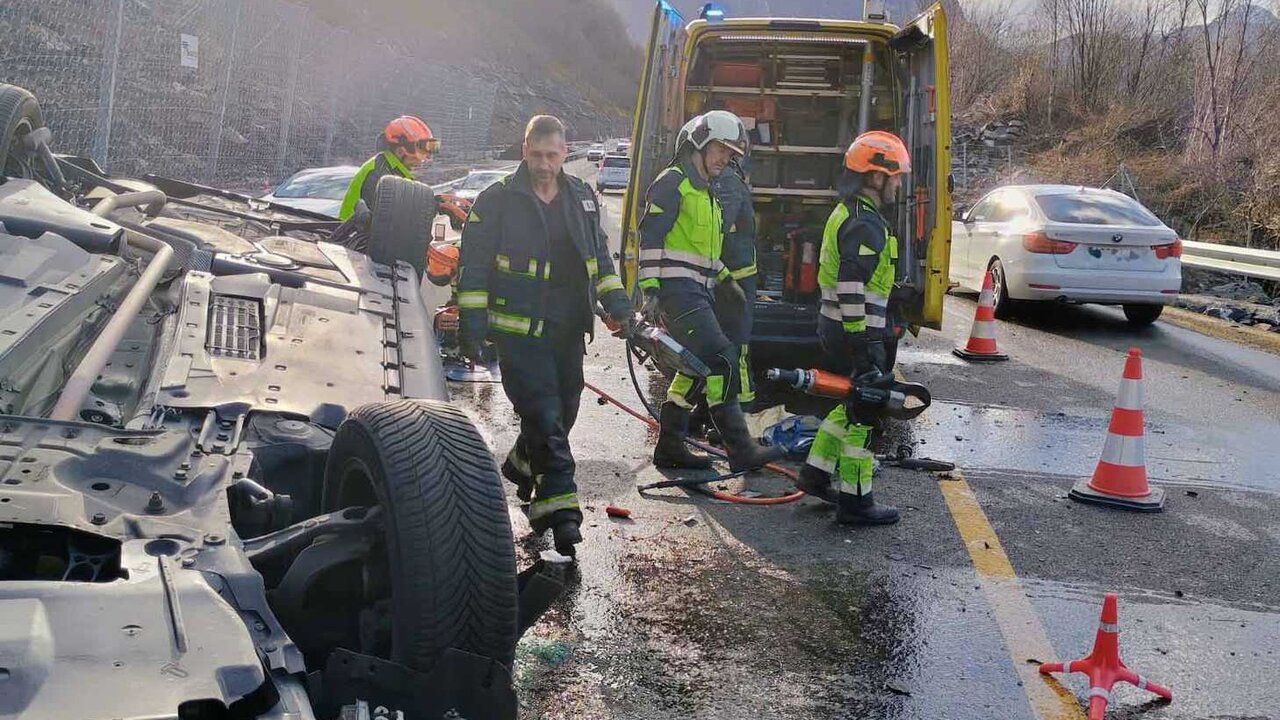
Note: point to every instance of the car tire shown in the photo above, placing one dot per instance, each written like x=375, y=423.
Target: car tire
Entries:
x=451, y=553
x=19, y=115
x=1142, y=315
x=401, y=228
x=1005, y=306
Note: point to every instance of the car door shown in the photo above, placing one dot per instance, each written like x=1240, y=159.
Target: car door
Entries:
x=968, y=239
x=925, y=255
x=990, y=231
x=656, y=121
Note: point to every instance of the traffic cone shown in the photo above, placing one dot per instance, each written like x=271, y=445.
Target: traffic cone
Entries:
x=1120, y=480
x=982, y=338
x=1104, y=666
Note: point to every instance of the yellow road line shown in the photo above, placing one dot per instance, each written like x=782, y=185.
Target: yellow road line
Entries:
x=1024, y=635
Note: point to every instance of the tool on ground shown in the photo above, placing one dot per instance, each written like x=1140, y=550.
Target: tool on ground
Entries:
x=717, y=452
x=693, y=482
x=648, y=341
x=982, y=338
x=1104, y=666
x=1120, y=480
x=900, y=400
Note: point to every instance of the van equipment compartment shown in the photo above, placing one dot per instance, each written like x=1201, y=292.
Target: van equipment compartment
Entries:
x=809, y=172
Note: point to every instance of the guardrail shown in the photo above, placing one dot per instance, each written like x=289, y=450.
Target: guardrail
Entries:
x=1250, y=262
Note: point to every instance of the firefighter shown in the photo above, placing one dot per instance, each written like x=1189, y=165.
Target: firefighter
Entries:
x=858, y=266
x=683, y=279
x=733, y=192
x=535, y=262
x=406, y=145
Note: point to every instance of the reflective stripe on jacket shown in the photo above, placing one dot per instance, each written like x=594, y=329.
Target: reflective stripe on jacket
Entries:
x=681, y=233
x=857, y=266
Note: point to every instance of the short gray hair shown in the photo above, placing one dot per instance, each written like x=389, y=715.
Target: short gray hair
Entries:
x=541, y=126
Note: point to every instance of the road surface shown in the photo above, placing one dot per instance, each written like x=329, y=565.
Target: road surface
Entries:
x=696, y=608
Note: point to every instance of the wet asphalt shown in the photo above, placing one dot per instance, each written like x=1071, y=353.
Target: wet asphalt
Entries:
x=699, y=608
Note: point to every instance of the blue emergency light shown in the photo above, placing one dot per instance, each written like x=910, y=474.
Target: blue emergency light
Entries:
x=712, y=12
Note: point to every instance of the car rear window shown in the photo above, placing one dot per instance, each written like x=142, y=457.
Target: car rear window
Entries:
x=1095, y=209
x=617, y=162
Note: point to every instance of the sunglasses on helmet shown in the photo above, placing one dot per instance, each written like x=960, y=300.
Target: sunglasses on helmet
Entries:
x=427, y=146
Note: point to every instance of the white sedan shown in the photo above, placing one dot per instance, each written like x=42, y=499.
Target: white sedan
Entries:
x=318, y=190
x=1068, y=244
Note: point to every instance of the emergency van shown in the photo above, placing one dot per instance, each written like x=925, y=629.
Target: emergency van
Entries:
x=805, y=88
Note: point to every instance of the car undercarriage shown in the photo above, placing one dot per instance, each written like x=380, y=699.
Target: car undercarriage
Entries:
x=231, y=484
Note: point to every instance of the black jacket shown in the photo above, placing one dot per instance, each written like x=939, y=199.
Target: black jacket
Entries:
x=504, y=265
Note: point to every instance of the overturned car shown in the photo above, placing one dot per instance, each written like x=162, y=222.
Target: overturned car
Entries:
x=231, y=485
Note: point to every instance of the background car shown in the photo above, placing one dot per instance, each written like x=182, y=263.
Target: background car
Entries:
x=624, y=147
x=595, y=153
x=469, y=187
x=615, y=172
x=1068, y=244
x=315, y=189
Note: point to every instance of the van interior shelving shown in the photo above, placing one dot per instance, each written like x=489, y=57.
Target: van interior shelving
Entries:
x=801, y=99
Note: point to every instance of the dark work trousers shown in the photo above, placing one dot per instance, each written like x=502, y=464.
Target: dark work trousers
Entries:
x=736, y=323
x=543, y=379
x=691, y=320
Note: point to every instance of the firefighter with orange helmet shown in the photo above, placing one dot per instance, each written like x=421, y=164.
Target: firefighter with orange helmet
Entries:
x=856, y=272
x=406, y=144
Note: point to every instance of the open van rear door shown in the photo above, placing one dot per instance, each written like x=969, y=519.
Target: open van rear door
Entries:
x=657, y=120
x=922, y=48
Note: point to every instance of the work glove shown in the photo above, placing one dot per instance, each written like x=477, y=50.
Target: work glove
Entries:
x=729, y=295
x=626, y=325
x=870, y=395
x=869, y=354
x=650, y=310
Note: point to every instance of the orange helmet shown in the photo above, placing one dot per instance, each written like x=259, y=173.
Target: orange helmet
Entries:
x=878, y=151
x=411, y=134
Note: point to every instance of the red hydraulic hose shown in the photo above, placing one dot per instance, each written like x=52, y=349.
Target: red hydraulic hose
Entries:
x=727, y=497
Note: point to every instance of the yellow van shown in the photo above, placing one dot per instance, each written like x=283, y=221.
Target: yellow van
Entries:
x=805, y=89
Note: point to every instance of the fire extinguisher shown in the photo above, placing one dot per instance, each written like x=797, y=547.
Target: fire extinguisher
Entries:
x=802, y=266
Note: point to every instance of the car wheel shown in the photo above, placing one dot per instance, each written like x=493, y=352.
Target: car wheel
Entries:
x=1142, y=315
x=401, y=226
x=1004, y=305
x=19, y=115
x=449, y=547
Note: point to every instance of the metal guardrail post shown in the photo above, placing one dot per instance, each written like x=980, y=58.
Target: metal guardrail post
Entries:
x=107, y=86
x=216, y=144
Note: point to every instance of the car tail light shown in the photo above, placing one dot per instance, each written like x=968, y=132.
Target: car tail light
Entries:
x=1041, y=244
x=1172, y=250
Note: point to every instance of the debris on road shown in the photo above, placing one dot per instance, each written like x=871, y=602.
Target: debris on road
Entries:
x=617, y=512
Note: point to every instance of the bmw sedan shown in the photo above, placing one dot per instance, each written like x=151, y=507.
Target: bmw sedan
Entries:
x=1067, y=244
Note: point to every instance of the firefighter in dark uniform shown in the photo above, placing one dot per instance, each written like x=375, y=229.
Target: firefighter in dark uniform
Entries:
x=406, y=144
x=683, y=279
x=535, y=263
x=857, y=270
x=739, y=256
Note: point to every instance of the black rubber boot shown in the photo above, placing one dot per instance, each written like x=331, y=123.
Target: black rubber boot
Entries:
x=523, y=482
x=672, y=452
x=744, y=452
x=864, y=510
x=565, y=535
x=816, y=483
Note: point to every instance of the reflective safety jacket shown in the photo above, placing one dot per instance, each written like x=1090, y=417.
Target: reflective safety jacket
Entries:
x=857, y=267
x=364, y=186
x=681, y=233
x=505, y=269
x=734, y=196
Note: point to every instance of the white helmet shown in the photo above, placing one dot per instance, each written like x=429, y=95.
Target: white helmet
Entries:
x=719, y=126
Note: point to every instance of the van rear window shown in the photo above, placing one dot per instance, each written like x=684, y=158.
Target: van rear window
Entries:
x=617, y=162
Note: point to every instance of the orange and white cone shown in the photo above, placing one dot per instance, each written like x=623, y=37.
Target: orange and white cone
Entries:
x=1120, y=480
x=982, y=338
x=1104, y=666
